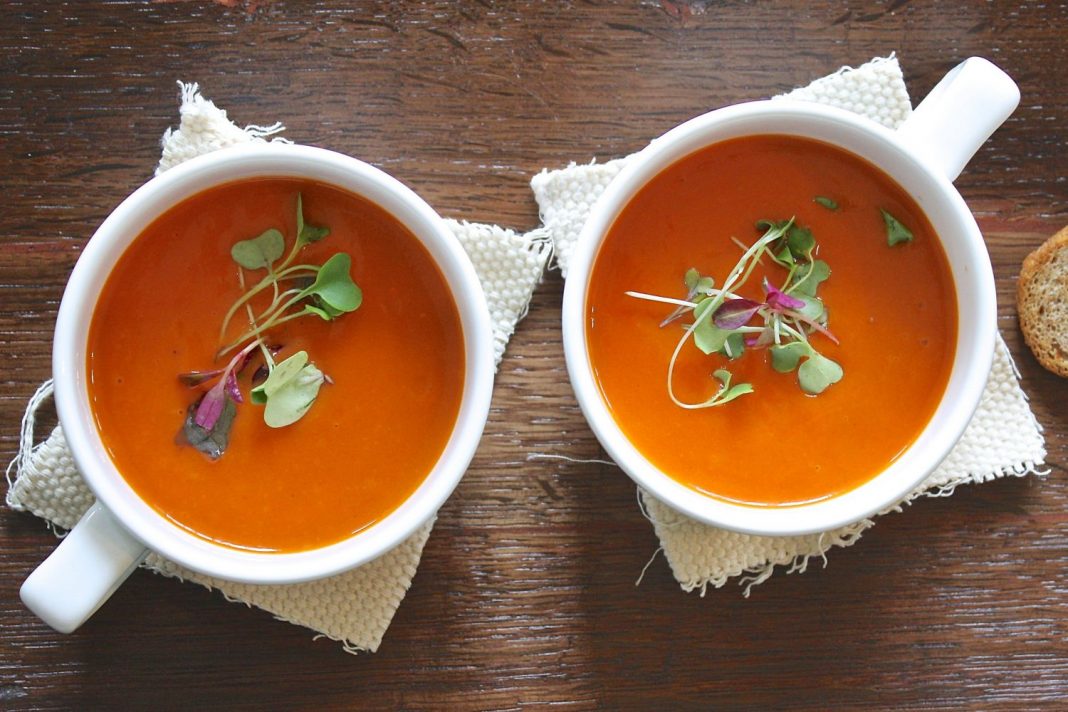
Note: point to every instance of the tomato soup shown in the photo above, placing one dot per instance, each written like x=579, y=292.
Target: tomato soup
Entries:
x=395, y=369
x=892, y=308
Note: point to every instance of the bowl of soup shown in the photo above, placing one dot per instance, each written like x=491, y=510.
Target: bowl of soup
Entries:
x=780, y=316
x=272, y=364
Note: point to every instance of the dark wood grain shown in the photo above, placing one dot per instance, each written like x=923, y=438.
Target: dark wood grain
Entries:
x=526, y=596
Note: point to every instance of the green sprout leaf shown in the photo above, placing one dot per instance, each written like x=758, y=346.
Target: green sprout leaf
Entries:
x=785, y=357
x=323, y=311
x=813, y=308
x=808, y=279
x=733, y=345
x=796, y=244
x=696, y=283
x=826, y=202
x=281, y=374
x=289, y=391
x=765, y=225
x=895, y=232
x=727, y=392
x=307, y=234
x=259, y=252
x=709, y=338
x=817, y=373
x=333, y=285
x=800, y=242
x=706, y=335
x=292, y=399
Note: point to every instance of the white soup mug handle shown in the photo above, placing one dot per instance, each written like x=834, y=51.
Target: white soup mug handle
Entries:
x=84, y=570
x=959, y=114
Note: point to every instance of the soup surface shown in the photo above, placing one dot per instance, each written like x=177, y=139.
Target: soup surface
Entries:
x=368, y=441
x=893, y=310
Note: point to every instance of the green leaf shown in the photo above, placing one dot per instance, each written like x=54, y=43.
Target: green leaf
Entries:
x=895, y=231
x=706, y=335
x=800, y=241
x=696, y=283
x=785, y=257
x=826, y=202
x=766, y=225
x=690, y=278
x=307, y=234
x=785, y=357
x=817, y=373
x=709, y=338
x=333, y=285
x=292, y=399
x=279, y=376
x=733, y=345
x=813, y=308
x=323, y=311
x=727, y=393
x=809, y=279
x=259, y=252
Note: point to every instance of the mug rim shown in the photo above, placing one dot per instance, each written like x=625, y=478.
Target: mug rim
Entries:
x=126, y=222
x=973, y=281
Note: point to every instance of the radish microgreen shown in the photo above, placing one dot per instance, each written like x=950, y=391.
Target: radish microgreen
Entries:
x=896, y=232
x=286, y=389
x=725, y=323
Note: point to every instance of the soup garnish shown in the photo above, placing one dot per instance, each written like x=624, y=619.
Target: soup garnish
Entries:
x=896, y=233
x=790, y=315
x=286, y=389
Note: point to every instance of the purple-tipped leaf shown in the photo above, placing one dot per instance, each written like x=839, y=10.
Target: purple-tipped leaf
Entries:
x=780, y=300
x=735, y=313
x=231, y=386
x=764, y=338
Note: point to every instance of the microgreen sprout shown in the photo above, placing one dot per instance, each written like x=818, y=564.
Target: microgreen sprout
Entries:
x=726, y=324
x=288, y=388
x=829, y=203
x=896, y=232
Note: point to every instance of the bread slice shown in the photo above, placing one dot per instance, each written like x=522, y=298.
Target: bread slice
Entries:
x=1042, y=302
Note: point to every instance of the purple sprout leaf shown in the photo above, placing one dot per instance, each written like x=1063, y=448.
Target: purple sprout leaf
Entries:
x=764, y=338
x=231, y=387
x=210, y=406
x=780, y=300
x=214, y=440
x=735, y=313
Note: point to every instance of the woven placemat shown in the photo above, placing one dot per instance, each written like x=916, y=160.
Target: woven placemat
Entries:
x=355, y=607
x=1003, y=438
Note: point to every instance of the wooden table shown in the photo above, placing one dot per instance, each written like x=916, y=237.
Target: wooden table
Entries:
x=526, y=595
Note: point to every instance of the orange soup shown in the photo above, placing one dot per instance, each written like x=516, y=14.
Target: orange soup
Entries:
x=394, y=370
x=892, y=309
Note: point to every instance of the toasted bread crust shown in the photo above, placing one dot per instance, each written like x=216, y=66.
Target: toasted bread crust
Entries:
x=1042, y=302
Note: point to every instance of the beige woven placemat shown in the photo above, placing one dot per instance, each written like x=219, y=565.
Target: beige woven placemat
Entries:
x=1002, y=439
x=355, y=607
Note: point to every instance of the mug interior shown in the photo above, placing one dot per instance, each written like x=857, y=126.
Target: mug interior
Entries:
x=123, y=226
x=970, y=270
